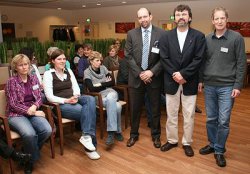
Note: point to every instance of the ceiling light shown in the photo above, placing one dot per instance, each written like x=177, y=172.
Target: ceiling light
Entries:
x=83, y=6
x=124, y=2
x=59, y=8
x=98, y=3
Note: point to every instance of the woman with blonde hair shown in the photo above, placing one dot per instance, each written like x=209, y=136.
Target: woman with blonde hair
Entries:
x=112, y=62
x=24, y=99
x=98, y=79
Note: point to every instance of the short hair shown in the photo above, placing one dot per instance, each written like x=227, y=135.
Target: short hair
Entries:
x=95, y=55
x=17, y=59
x=116, y=40
x=50, y=50
x=57, y=52
x=183, y=7
x=219, y=9
x=88, y=46
x=29, y=52
x=113, y=47
x=78, y=46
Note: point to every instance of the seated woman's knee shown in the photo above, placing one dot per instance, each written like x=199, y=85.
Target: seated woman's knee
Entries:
x=112, y=96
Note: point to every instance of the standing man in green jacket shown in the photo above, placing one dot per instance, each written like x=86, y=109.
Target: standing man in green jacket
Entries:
x=222, y=74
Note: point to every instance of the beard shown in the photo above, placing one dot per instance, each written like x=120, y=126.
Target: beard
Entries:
x=182, y=23
x=145, y=24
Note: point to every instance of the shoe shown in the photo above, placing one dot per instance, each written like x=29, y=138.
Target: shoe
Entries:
x=93, y=155
x=119, y=137
x=21, y=157
x=206, y=150
x=220, y=160
x=157, y=142
x=86, y=141
x=131, y=141
x=110, y=139
x=168, y=146
x=28, y=168
x=188, y=150
x=198, y=110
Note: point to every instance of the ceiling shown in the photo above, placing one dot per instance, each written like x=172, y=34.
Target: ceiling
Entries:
x=77, y=4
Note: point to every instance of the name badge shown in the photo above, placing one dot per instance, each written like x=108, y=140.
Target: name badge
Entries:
x=224, y=50
x=155, y=50
x=35, y=87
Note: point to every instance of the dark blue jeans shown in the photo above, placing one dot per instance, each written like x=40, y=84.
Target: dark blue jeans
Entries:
x=83, y=111
x=33, y=130
x=219, y=104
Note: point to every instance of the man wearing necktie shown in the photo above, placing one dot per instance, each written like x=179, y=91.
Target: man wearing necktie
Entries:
x=142, y=54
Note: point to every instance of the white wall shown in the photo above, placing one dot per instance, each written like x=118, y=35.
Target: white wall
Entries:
x=35, y=20
x=103, y=19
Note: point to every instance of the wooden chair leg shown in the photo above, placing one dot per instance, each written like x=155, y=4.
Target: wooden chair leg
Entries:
x=101, y=122
x=11, y=162
x=72, y=127
x=61, y=139
x=52, y=144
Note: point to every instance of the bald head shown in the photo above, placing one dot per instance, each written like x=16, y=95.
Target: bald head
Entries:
x=144, y=9
x=144, y=17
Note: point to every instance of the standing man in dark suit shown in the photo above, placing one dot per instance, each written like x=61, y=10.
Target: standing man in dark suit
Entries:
x=142, y=54
x=181, y=51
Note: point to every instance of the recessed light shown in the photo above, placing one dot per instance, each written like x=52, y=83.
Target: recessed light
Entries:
x=98, y=3
x=124, y=2
x=83, y=6
x=59, y=8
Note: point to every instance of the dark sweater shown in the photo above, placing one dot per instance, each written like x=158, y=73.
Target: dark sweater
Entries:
x=225, y=61
x=62, y=88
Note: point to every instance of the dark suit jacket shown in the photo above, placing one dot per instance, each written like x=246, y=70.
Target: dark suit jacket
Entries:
x=186, y=62
x=133, y=54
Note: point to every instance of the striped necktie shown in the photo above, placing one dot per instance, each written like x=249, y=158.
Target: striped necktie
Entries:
x=145, y=50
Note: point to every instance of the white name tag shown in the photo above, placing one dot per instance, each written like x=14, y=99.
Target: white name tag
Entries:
x=35, y=87
x=224, y=50
x=155, y=50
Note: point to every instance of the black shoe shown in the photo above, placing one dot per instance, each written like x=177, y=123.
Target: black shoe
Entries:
x=21, y=157
x=168, y=146
x=157, y=142
x=198, y=110
x=188, y=150
x=220, y=160
x=131, y=141
x=110, y=139
x=28, y=168
x=206, y=150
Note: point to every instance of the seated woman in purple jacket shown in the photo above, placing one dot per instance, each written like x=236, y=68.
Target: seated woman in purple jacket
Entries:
x=24, y=99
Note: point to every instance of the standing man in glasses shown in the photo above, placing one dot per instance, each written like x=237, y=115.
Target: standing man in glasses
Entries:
x=142, y=54
x=181, y=51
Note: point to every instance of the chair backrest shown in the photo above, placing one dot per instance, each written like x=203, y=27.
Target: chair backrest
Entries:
x=5, y=73
x=115, y=74
x=2, y=102
x=41, y=69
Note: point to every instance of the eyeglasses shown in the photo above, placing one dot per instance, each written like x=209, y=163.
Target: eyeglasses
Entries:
x=118, y=43
x=181, y=14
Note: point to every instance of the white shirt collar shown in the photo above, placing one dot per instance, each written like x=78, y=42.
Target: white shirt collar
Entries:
x=149, y=29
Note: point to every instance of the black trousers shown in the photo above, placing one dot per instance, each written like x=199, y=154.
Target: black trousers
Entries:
x=136, y=96
x=5, y=150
